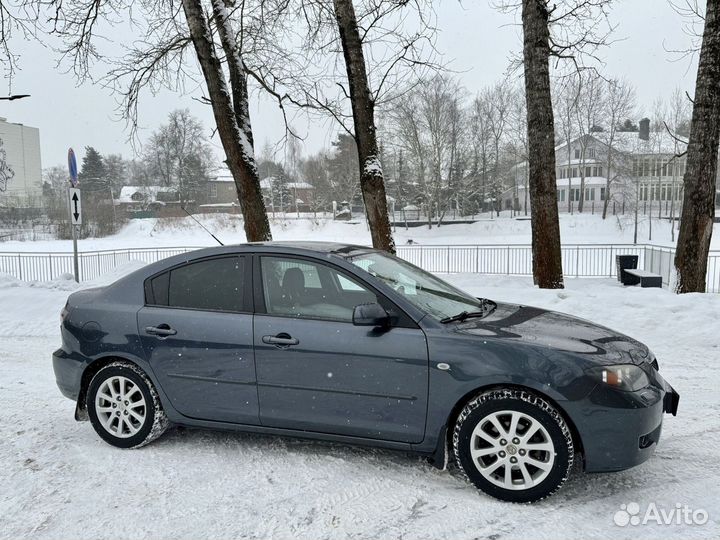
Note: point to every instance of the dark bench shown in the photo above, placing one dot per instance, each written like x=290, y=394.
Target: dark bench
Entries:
x=643, y=277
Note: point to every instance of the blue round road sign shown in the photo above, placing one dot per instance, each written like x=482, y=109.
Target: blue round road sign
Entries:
x=72, y=167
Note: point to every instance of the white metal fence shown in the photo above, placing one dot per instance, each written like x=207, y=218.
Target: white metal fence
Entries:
x=579, y=260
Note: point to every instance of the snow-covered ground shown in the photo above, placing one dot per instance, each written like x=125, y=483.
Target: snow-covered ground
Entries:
x=59, y=480
x=585, y=228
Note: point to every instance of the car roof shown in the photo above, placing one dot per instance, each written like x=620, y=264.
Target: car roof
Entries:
x=319, y=249
x=338, y=248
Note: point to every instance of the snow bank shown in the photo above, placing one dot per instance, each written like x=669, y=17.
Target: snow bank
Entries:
x=170, y=232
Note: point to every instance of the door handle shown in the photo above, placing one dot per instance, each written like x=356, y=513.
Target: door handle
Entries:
x=281, y=340
x=162, y=330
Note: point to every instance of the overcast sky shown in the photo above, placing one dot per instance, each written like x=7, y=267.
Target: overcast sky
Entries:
x=474, y=37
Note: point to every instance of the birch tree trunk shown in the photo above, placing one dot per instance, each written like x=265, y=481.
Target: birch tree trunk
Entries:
x=372, y=182
x=231, y=113
x=547, y=261
x=698, y=209
x=608, y=177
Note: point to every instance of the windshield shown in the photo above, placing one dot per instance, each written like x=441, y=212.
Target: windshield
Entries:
x=425, y=291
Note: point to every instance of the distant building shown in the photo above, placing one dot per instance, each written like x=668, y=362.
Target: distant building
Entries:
x=149, y=201
x=645, y=169
x=298, y=195
x=20, y=166
x=221, y=195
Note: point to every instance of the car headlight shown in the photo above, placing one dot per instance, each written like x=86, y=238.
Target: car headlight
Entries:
x=625, y=377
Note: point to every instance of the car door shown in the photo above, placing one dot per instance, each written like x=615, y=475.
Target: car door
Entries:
x=317, y=371
x=196, y=331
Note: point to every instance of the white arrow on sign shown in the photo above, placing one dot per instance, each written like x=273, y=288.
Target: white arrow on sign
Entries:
x=75, y=206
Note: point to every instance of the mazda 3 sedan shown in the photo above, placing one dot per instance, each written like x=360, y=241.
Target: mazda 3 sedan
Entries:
x=346, y=343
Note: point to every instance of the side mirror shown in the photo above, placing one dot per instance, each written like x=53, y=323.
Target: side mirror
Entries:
x=370, y=315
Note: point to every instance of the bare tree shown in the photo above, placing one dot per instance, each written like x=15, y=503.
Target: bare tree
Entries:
x=588, y=110
x=159, y=57
x=372, y=182
x=180, y=156
x=232, y=114
x=382, y=53
x=566, y=30
x=698, y=211
x=566, y=102
x=618, y=105
x=481, y=146
x=429, y=126
x=547, y=258
x=18, y=19
x=498, y=107
x=679, y=111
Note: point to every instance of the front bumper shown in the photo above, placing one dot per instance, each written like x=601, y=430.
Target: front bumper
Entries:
x=68, y=373
x=620, y=430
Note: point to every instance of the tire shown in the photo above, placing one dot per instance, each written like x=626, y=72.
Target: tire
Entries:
x=538, y=447
x=127, y=416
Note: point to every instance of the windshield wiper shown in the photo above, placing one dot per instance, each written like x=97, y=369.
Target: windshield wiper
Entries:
x=487, y=305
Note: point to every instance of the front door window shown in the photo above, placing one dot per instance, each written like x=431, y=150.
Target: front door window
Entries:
x=304, y=289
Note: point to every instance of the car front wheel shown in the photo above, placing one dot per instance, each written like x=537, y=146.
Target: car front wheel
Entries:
x=124, y=407
x=513, y=445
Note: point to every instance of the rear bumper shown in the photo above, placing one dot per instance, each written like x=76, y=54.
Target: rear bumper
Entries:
x=68, y=373
x=620, y=430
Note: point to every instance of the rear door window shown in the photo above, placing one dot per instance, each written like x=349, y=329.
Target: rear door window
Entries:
x=212, y=285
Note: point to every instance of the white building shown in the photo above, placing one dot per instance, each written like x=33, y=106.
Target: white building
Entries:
x=20, y=166
x=644, y=168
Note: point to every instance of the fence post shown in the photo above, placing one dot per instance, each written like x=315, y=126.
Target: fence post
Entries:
x=477, y=259
x=50, y=265
x=448, y=260
x=611, y=261
x=20, y=267
x=508, y=259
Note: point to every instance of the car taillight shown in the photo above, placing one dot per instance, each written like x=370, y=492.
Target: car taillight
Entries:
x=64, y=313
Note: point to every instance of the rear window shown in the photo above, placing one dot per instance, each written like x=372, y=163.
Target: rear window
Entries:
x=211, y=285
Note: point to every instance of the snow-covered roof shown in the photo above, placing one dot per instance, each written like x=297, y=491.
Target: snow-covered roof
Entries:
x=149, y=193
x=267, y=183
x=659, y=142
x=628, y=142
x=299, y=185
x=223, y=178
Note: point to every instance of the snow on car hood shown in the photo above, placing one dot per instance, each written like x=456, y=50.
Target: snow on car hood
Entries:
x=557, y=331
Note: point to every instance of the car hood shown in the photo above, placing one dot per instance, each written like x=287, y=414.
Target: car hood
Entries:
x=558, y=331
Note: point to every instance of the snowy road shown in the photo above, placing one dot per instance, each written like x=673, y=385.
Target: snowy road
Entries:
x=59, y=480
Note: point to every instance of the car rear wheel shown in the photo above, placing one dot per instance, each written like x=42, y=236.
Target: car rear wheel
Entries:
x=513, y=445
x=124, y=407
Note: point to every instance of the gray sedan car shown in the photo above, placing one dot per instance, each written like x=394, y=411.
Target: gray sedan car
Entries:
x=346, y=343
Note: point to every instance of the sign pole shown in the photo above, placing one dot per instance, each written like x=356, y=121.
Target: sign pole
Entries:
x=75, y=209
x=76, y=266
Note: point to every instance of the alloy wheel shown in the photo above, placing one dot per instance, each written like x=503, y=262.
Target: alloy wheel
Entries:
x=512, y=450
x=120, y=406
